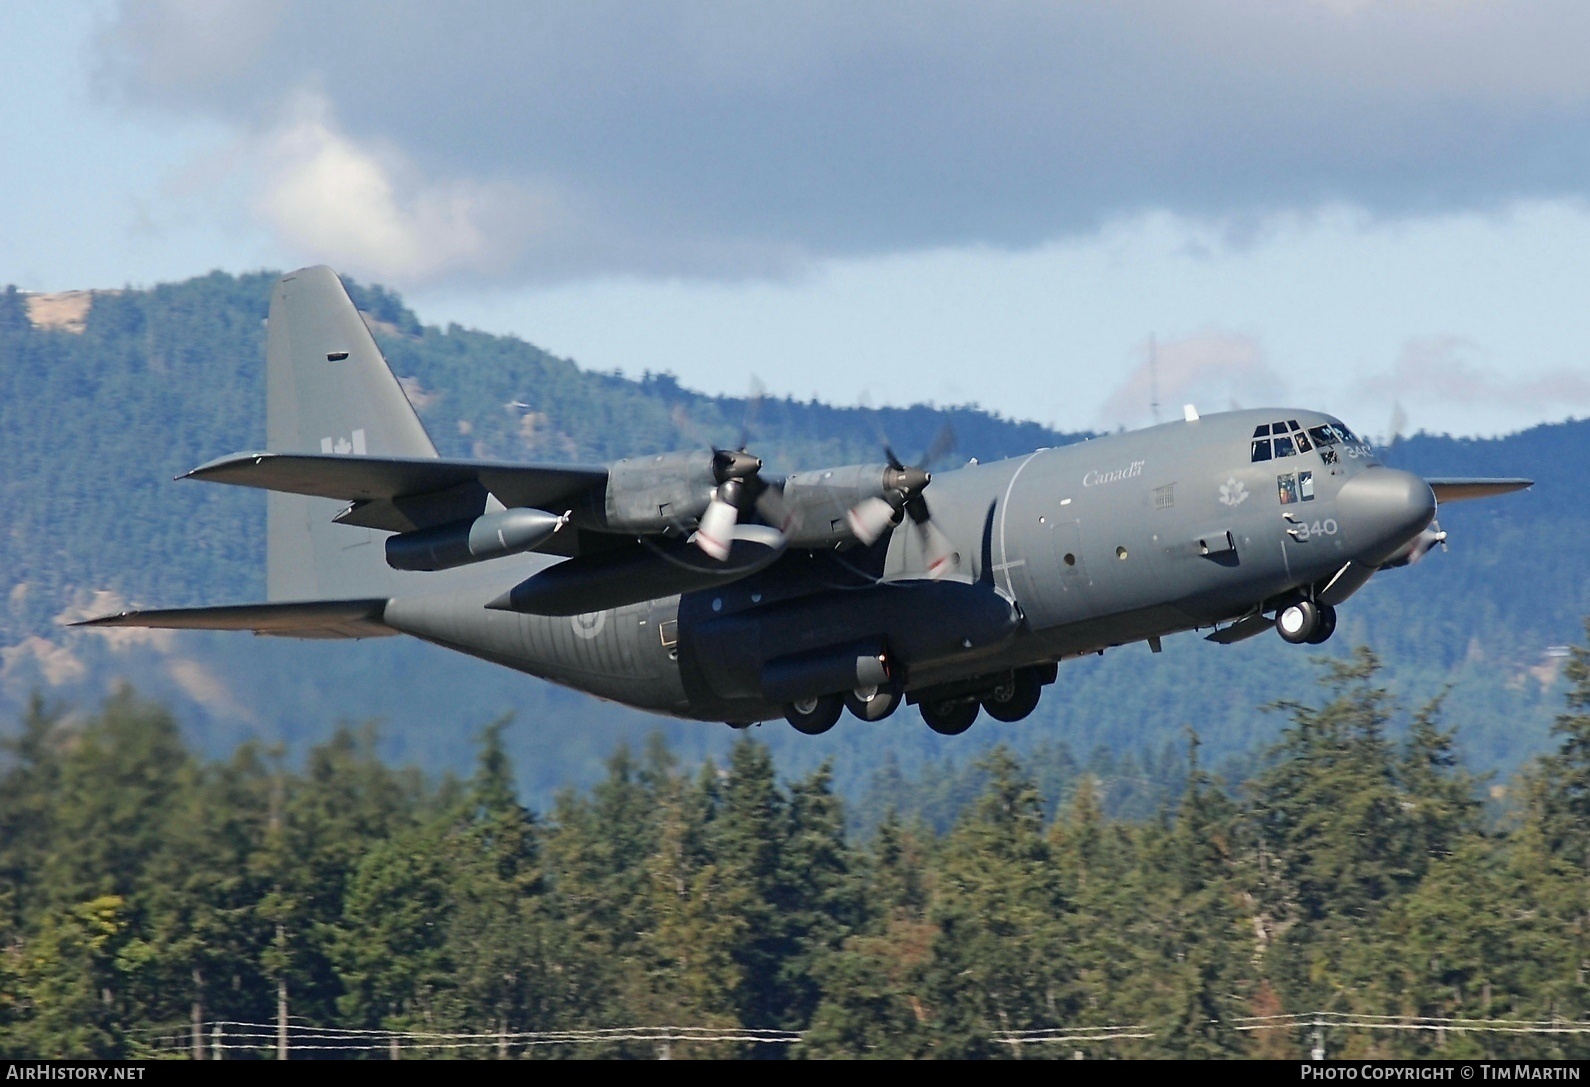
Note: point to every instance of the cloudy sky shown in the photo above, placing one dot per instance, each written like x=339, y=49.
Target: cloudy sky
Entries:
x=1349, y=204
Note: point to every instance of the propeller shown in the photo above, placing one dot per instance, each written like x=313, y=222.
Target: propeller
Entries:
x=735, y=470
x=739, y=485
x=903, y=486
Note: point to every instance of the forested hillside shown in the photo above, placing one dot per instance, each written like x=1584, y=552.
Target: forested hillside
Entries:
x=95, y=423
x=158, y=901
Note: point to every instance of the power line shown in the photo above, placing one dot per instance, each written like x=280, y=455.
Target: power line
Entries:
x=237, y=1036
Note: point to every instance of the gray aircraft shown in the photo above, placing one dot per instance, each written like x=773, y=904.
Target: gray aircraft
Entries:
x=693, y=584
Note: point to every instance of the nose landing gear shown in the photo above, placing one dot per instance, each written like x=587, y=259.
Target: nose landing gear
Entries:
x=1305, y=622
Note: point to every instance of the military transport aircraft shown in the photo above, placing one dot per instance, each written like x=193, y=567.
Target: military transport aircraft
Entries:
x=693, y=584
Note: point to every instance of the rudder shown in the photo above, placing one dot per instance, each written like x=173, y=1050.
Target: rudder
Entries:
x=328, y=389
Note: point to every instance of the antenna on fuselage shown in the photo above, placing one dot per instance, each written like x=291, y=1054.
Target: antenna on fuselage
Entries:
x=1153, y=375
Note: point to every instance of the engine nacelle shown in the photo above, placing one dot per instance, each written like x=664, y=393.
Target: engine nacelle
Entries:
x=490, y=536
x=647, y=495
x=820, y=503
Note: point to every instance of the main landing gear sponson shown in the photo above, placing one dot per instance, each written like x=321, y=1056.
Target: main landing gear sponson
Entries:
x=1305, y=622
x=950, y=718
x=814, y=716
x=1015, y=699
x=872, y=703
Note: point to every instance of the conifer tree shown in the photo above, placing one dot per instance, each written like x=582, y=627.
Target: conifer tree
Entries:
x=1002, y=959
x=871, y=986
x=515, y=970
x=745, y=839
x=1565, y=773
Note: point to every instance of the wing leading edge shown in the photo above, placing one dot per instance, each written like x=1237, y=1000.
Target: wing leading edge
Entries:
x=401, y=494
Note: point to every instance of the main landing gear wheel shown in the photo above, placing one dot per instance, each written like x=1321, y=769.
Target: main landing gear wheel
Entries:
x=1297, y=622
x=872, y=703
x=1326, y=627
x=949, y=718
x=814, y=716
x=1016, y=699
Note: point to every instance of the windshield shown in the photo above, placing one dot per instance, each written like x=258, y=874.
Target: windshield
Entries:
x=1280, y=439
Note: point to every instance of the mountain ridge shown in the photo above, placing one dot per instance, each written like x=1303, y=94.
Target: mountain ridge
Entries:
x=95, y=423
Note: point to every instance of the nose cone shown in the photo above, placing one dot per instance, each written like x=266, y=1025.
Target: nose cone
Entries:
x=1381, y=509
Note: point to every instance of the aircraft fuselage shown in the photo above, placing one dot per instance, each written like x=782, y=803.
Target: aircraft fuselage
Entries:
x=1062, y=552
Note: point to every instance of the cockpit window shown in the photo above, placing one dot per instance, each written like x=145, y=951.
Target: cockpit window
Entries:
x=1289, y=438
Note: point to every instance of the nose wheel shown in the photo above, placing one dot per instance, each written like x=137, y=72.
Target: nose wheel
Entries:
x=1305, y=622
x=1326, y=626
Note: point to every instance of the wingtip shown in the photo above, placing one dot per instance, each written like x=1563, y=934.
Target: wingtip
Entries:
x=100, y=620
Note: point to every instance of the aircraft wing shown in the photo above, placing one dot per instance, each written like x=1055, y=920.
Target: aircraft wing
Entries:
x=400, y=494
x=1460, y=489
x=292, y=619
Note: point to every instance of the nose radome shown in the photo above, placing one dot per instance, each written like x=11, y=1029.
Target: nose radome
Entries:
x=1381, y=509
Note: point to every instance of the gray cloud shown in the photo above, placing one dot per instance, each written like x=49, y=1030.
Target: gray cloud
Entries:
x=1211, y=370
x=1452, y=370
x=724, y=138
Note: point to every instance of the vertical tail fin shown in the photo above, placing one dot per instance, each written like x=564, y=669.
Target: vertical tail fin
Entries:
x=328, y=390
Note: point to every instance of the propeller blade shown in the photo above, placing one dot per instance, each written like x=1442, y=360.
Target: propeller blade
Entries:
x=774, y=510
x=870, y=518
x=1426, y=542
x=753, y=407
x=943, y=442
x=716, y=531
x=937, y=549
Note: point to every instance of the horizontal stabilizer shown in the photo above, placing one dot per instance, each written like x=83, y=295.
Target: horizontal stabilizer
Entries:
x=294, y=619
x=1462, y=489
x=385, y=482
